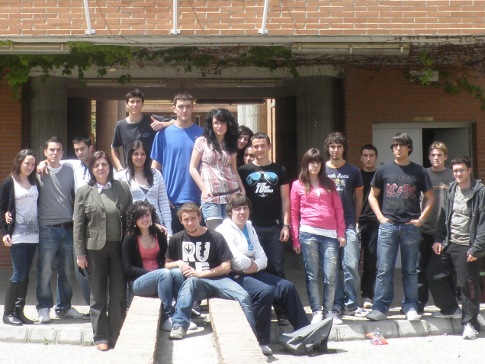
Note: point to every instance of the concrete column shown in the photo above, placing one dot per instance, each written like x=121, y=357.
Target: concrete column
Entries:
x=253, y=116
x=48, y=107
x=78, y=121
x=107, y=114
x=316, y=113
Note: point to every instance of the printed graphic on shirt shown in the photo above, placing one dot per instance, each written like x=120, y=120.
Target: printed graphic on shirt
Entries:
x=26, y=225
x=196, y=254
x=405, y=191
x=340, y=180
x=264, y=182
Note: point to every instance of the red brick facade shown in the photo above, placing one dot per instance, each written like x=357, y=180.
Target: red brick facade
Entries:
x=243, y=17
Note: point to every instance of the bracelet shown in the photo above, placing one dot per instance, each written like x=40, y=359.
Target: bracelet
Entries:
x=421, y=221
x=286, y=225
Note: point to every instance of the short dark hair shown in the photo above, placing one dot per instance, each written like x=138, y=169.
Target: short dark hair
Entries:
x=135, y=93
x=244, y=130
x=187, y=208
x=260, y=135
x=335, y=137
x=53, y=139
x=237, y=200
x=404, y=139
x=183, y=96
x=98, y=155
x=82, y=139
x=368, y=147
x=462, y=160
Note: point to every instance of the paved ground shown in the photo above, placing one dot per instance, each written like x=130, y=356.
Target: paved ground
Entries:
x=198, y=347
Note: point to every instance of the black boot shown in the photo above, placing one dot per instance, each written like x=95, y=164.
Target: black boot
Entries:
x=20, y=302
x=9, y=316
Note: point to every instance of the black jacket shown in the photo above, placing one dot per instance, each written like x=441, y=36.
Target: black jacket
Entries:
x=132, y=263
x=476, y=208
x=7, y=203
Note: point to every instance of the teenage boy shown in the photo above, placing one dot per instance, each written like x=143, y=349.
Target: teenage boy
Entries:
x=368, y=226
x=56, y=198
x=440, y=177
x=204, y=258
x=136, y=126
x=267, y=186
x=348, y=181
x=401, y=183
x=459, y=242
x=171, y=153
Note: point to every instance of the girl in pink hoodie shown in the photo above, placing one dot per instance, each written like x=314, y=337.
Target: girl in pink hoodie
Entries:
x=318, y=230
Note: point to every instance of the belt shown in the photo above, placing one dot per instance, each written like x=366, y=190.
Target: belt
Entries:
x=217, y=194
x=63, y=225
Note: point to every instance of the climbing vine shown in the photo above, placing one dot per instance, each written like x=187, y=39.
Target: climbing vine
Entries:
x=456, y=82
x=83, y=56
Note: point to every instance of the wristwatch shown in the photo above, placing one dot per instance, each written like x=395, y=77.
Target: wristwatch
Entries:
x=286, y=225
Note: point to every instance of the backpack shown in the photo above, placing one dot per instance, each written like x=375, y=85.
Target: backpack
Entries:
x=308, y=340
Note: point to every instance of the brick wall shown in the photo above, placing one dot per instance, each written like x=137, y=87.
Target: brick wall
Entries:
x=10, y=136
x=244, y=17
x=389, y=97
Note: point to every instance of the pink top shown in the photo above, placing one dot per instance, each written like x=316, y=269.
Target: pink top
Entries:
x=149, y=257
x=321, y=210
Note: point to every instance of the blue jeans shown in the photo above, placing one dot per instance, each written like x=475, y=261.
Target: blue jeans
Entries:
x=82, y=281
x=164, y=283
x=22, y=257
x=54, y=242
x=348, y=278
x=214, y=211
x=391, y=237
x=197, y=289
x=319, y=250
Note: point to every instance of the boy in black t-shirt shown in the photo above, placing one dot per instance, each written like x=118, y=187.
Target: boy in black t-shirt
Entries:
x=401, y=219
x=205, y=260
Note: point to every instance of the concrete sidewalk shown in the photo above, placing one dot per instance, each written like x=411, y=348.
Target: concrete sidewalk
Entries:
x=79, y=332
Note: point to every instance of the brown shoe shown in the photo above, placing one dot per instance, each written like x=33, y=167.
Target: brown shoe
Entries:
x=102, y=347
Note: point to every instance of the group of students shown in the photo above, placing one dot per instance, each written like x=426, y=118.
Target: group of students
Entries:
x=143, y=224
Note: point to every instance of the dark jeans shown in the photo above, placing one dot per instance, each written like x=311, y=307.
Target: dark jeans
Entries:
x=22, y=256
x=108, y=292
x=368, y=240
x=264, y=289
x=424, y=256
x=441, y=267
x=269, y=237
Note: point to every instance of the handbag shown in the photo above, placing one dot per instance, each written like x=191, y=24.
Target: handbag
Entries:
x=308, y=340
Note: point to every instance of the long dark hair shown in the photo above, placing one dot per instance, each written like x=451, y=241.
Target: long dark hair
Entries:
x=314, y=155
x=98, y=155
x=134, y=212
x=19, y=158
x=147, y=169
x=230, y=138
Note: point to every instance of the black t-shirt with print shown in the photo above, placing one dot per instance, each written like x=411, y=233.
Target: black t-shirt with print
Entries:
x=203, y=252
x=263, y=188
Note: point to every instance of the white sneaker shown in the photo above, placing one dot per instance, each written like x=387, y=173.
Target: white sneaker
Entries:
x=192, y=326
x=335, y=319
x=412, y=315
x=469, y=333
x=266, y=350
x=44, y=315
x=167, y=325
x=367, y=303
x=317, y=317
x=71, y=313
